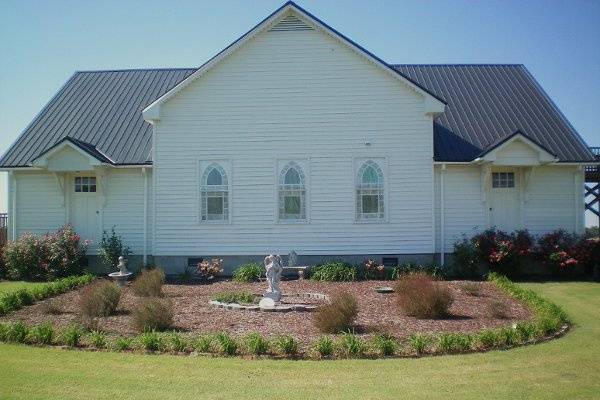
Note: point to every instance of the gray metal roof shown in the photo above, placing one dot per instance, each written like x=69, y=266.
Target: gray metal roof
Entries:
x=102, y=112
x=101, y=109
x=488, y=103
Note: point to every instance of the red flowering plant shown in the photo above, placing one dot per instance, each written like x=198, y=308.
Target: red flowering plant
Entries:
x=65, y=252
x=374, y=270
x=502, y=252
x=557, y=250
x=588, y=253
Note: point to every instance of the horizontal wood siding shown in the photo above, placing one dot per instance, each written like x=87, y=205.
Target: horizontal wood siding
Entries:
x=39, y=203
x=294, y=95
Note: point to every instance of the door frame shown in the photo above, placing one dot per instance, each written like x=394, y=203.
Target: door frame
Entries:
x=70, y=204
x=519, y=187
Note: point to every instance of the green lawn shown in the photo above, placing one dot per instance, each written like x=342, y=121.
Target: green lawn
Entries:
x=6, y=286
x=565, y=368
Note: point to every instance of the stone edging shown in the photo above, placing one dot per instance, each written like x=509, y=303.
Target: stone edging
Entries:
x=277, y=308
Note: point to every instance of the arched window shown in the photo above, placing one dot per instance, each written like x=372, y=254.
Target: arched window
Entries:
x=292, y=193
x=215, y=194
x=369, y=192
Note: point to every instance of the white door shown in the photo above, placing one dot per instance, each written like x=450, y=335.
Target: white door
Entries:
x=85, y=210
x=505, y=206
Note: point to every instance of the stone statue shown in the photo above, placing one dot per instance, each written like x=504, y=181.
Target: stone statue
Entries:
x=292, y=259
x=122, y=267
x=273, y=273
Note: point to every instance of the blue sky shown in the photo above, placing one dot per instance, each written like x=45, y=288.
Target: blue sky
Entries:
x=43, y=42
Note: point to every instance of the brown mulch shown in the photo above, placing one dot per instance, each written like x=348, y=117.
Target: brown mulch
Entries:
x=378, y=312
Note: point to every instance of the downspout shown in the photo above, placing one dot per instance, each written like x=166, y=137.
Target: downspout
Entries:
x=14, y=205
x=442, y=218
x=145, y=246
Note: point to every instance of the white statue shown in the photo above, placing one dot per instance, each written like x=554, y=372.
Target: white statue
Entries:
x=121, y=265
x=273, y=273
x=292, y=259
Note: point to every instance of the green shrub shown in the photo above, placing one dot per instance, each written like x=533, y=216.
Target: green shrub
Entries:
x=256, y=344
x=99, y=299
x=10, y=301
x=151, y=341
x=149, y=283
x=410, y=267
x=248, y=273
x=334, y=272
x=234, y=297
x=111, y=248
x=337, y=316
x=419, y=342
x=352, y=345
x=43, y=333
x=488, y=338
x=508, y=336
x=384, y=345
x=177, y=343
x=287, y=345
x=123, y=343
x=152, y=313
x=454, y=342
x=227, y=344
x=418, y=295
x=24, y=296
x=203, y=343
x=465, y=259
x=324, y=346
x=98, y=339
x=72, y=334
x=526, y=331
x=17, y=332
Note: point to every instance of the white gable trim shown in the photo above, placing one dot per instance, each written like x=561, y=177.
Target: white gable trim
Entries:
x=433, y=105
x=42, y=160
x=544, y=157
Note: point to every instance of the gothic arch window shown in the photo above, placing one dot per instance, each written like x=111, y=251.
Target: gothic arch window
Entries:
x=292, y=193
x=370, y=192
x=214, y=194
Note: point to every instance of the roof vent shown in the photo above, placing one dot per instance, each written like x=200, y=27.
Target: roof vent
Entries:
x=290, y=23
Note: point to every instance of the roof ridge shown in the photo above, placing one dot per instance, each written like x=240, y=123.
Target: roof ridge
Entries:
x=137, y=69
x=460, y=65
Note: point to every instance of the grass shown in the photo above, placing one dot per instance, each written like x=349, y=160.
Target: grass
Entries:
x=9, y=286
x=563, y=368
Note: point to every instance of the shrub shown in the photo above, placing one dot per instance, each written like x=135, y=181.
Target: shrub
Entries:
x=227, y=344
x=99, y=299
x=208, y=270
x=324, y=346
x=488, y=338
x=98, y=339
x=234, y=297
x=498, y=309
x=256, y=344
x=71, y=335
x=418, y=295
x=17, y=332
x=334, y=272
x=203, y=344
x=471, y=288
x=352, y=345
x=43, y=333
x=558, y=251
x=287, y=345
x=465, y=260
x=248, y=273
x=24, y=257
x=152, y=313
x=384, y=344
x=177, y=343
x=24, y=297
x=111, y=248
x=454, y=342
x=374, y=270
x=419, y=342
x=149, y=283
x=410, y=267
x=151, y=341
x=65, y=252
x=337, y=316
x=123, y=343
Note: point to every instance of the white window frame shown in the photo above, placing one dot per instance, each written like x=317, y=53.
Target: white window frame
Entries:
x=281, y=168
x=85, y=181
x=505, y=180
x=204, y=189
x=381, y=165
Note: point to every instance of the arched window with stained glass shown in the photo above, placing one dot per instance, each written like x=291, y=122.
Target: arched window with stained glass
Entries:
x=292, y=193
x=370, y=192
x=215, y=194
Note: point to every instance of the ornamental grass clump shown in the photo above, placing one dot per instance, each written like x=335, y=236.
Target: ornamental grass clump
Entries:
x=123, y=344
x=337, y=316
x=153, y=313
x=234, y=297
x=498, y=309
x=384, y=345
x=287, y=345
x=17, y=332
x=177, y=343
x=324, y=347
x=149, y=283
x=248, y=273
x=454, y=342
x=203, y=343
x=42, y=334
x=334, y=272
x=99, y=299
x=256, y=344
x=151, y=341
x=71, y=335
x=419, y=295
x=419, y=343
x=352, y=345
x=98, y=339
x=227, y=344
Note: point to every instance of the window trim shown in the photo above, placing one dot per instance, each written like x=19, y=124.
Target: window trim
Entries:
x=504, y=183
x=87, y=184
x=382, y=163
x=304, y=164
x=203, y=166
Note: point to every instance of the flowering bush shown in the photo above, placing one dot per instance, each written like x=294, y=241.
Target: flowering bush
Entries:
x=374, y=270
x=503, y=252
x=558, y=251
x=207, y=270
x=51, y=256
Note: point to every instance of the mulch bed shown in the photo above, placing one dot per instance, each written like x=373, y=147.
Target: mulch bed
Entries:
x=378, y=312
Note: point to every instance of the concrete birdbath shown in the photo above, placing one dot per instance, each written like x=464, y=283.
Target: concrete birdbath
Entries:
x=122, y=275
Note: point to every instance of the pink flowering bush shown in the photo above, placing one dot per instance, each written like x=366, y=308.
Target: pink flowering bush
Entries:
x=374, y=270
x=51, y=256
x=558, y=251
x=502, y=252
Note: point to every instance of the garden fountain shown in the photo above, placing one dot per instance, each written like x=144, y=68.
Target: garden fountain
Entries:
x=122, y=275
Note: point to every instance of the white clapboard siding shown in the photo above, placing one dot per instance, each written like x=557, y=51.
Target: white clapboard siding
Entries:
x=39, y=203
x=294, y=95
